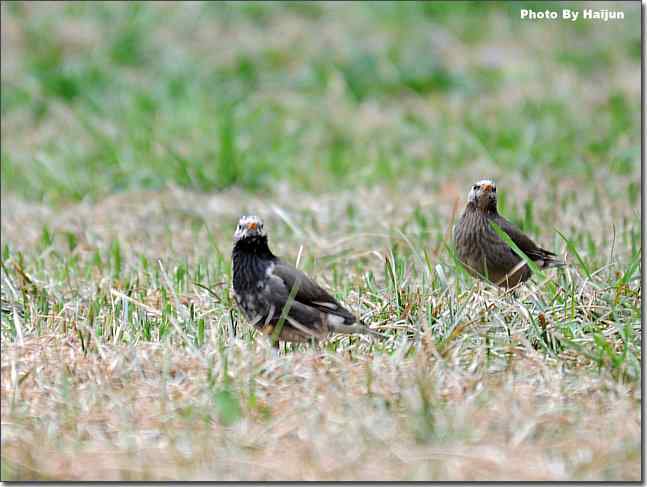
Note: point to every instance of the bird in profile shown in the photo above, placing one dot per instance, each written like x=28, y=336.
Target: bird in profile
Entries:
x=483, y=252
x=280, y=300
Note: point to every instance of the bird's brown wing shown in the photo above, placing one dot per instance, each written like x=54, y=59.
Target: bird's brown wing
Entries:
x=527, y=246
x=309, y=292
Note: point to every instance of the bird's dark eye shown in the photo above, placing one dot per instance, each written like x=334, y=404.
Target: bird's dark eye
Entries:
x=475, y=187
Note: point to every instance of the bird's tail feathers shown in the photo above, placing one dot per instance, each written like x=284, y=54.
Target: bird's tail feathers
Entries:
x=358, y=327
x=550, y=261
x=545, y=258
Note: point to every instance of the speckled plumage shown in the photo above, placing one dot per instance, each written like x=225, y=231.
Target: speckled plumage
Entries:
x=262, y=285
x=483, y=252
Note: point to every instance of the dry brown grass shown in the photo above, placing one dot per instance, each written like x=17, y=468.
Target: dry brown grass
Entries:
x=145, y=412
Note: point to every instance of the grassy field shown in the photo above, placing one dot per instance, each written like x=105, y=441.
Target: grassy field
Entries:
x=135, y=135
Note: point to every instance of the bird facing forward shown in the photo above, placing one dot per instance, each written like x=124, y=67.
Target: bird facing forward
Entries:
x=483, y=252
x=265, y=288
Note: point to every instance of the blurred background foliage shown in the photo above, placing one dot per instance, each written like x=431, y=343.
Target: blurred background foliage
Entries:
x=106, y=97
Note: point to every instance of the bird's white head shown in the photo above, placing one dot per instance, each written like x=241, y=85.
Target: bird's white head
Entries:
x=483, y=195
x=249, y=226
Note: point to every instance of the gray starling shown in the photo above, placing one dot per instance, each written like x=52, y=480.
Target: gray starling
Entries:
x=263, y=285
x=480, y=249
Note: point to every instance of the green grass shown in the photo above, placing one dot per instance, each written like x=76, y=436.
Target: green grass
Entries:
x=135, y=135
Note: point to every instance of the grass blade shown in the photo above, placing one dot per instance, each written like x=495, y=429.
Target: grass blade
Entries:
x=572, y=249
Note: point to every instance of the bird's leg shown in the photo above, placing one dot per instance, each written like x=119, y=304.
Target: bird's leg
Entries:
x=501, y=292
x=276, y=350
x=316, y=345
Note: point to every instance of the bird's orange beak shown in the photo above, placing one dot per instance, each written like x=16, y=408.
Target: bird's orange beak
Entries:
x=251, y=226
x=487, y=188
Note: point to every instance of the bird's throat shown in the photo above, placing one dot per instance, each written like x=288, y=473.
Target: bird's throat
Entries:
x=489, y=210
x=256, y=246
